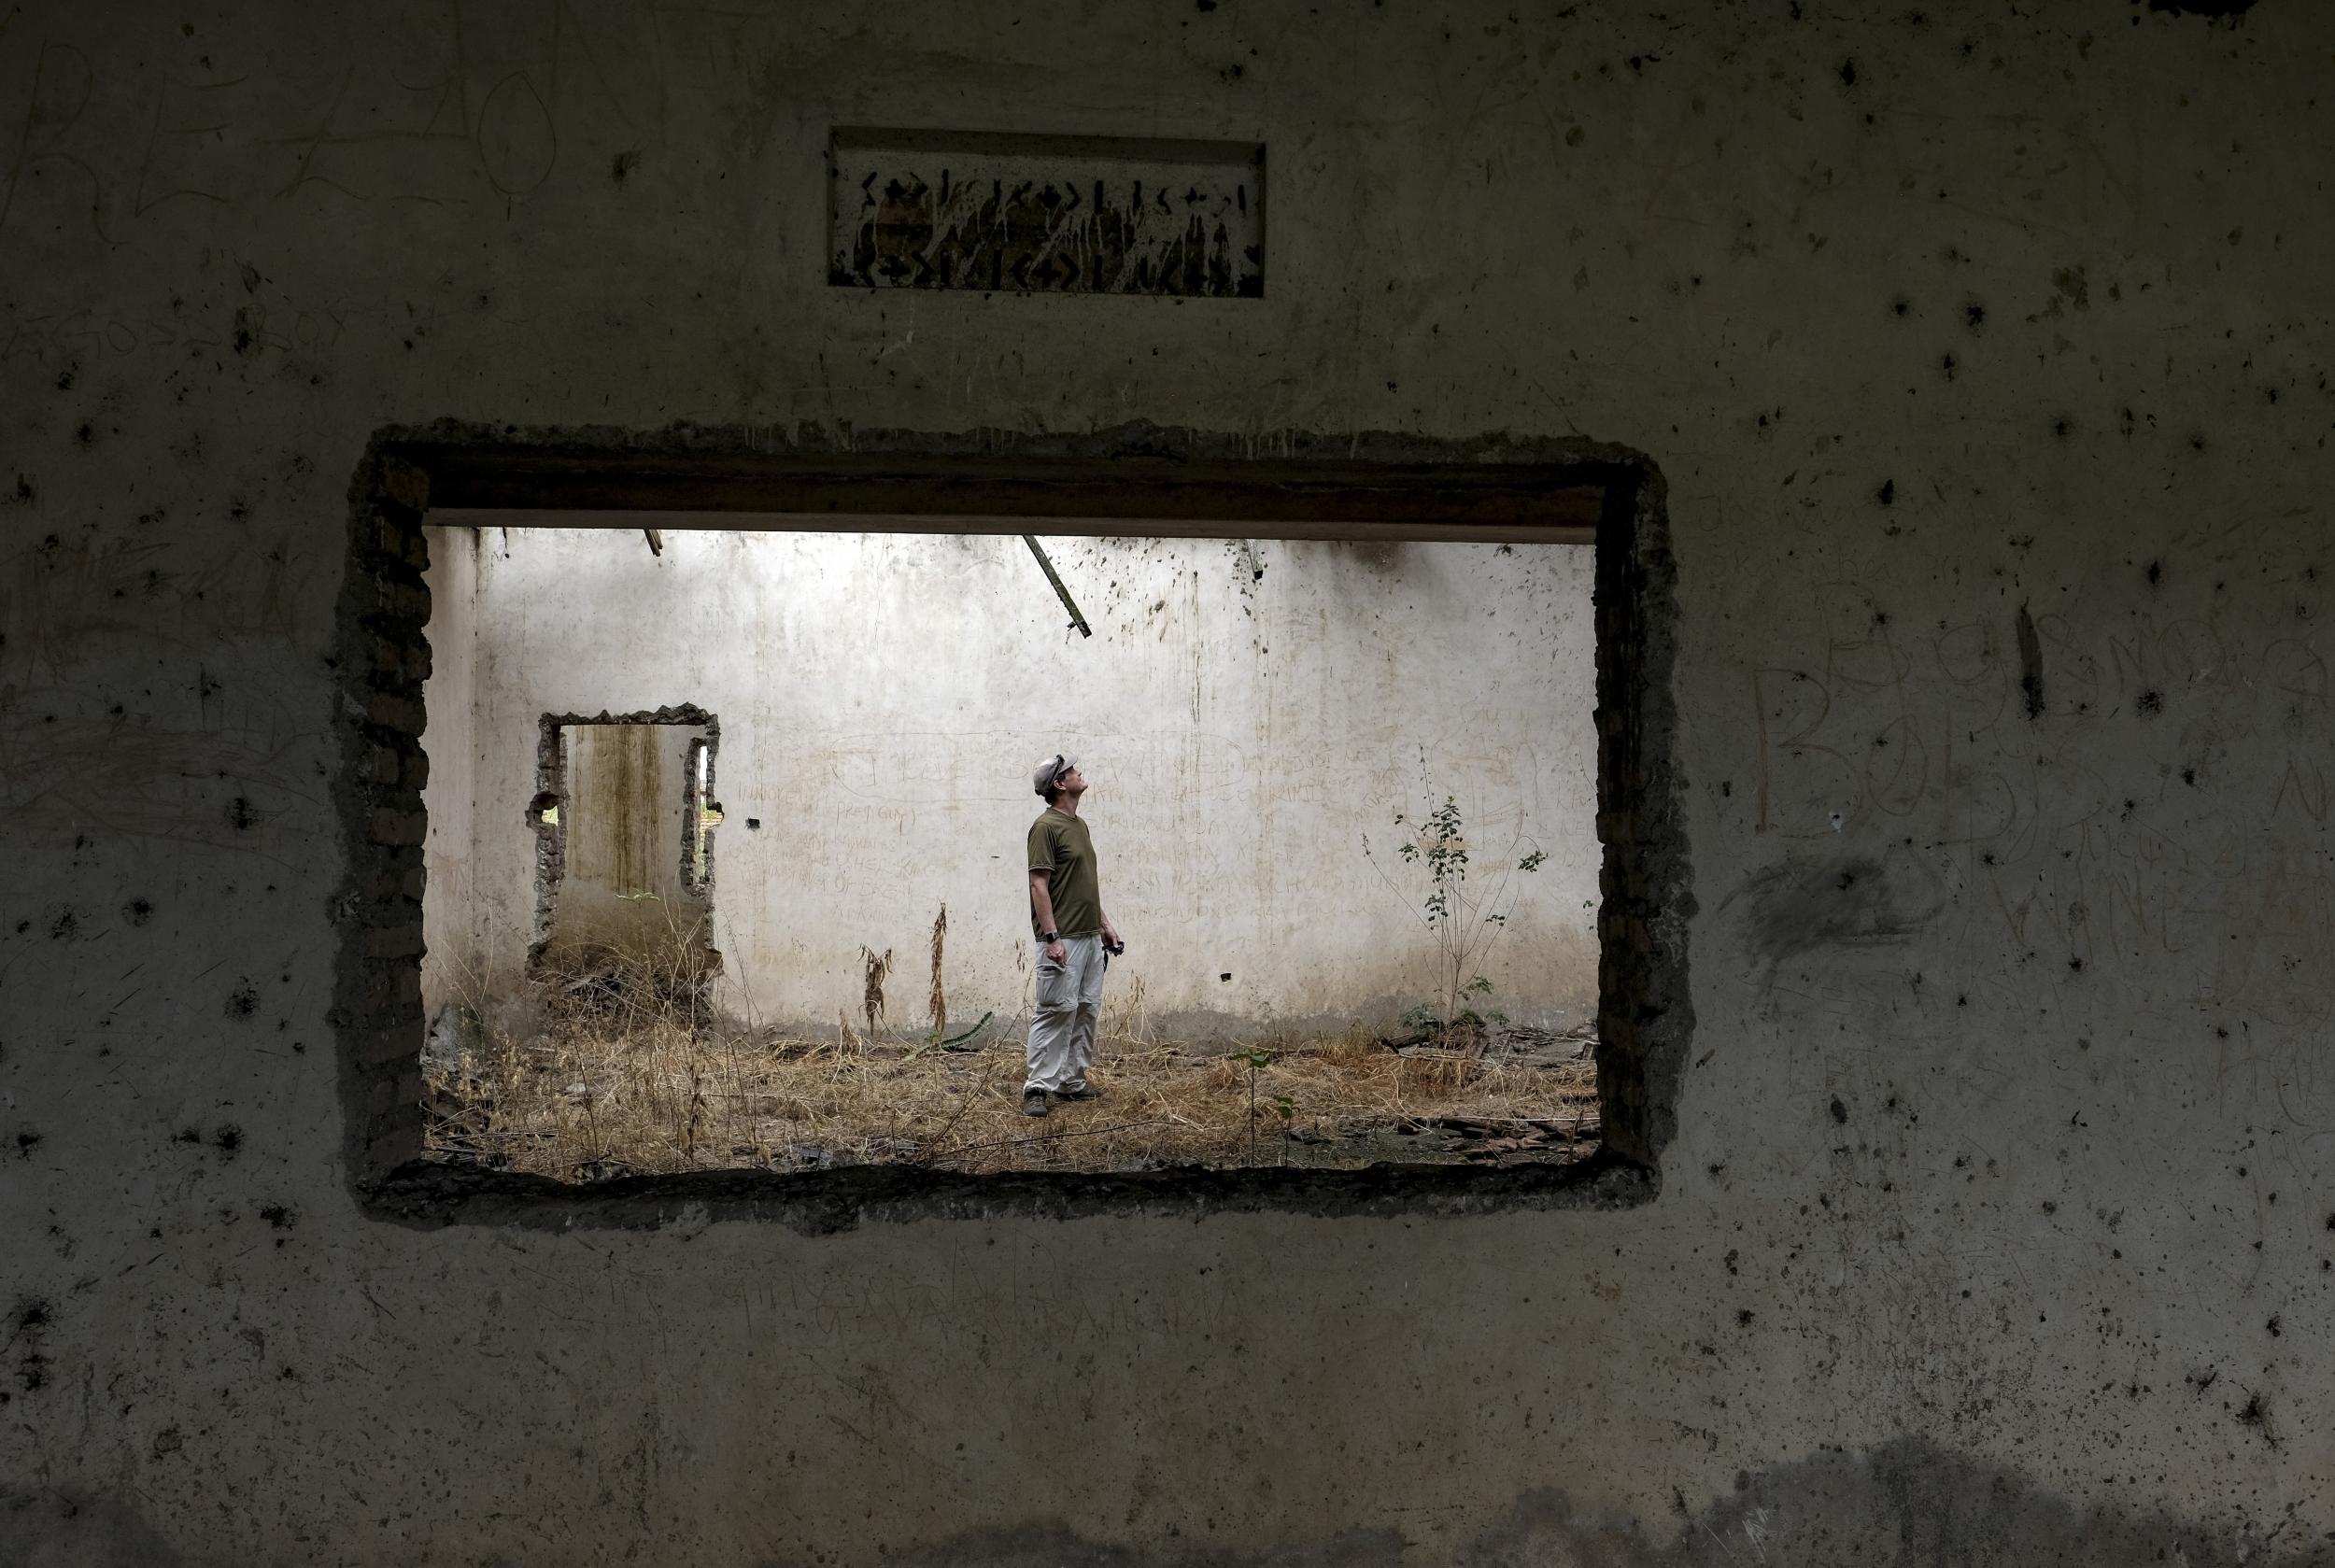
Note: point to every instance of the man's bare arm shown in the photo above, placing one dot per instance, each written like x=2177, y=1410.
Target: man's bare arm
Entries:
x=1042, y=903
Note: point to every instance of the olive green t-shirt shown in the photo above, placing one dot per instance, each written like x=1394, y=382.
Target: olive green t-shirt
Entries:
x=1058, y=846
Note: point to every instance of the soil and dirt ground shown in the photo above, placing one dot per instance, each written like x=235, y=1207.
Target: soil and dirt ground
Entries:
x=619, y=1076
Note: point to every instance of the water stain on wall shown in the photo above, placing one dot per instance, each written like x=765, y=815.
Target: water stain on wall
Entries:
x=1807, y=906
x=1909, y=1500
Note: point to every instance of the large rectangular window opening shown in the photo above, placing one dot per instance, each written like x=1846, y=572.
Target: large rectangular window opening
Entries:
x=1344, y=776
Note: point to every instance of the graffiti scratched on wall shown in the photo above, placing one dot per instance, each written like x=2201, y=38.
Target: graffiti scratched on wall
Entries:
x=1065, y=215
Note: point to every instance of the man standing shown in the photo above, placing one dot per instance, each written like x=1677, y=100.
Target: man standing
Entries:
x=1066, y=913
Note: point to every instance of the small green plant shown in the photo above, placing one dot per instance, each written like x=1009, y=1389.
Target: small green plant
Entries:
x=1462, y=922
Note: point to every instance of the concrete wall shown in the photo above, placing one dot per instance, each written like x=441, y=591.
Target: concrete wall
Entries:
x=883, y=698
x=1985, y=351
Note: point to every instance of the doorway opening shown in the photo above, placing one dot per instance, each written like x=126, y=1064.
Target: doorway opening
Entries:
x=623, y=857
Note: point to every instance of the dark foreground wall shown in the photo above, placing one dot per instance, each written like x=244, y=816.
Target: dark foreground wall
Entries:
x=1985, y=357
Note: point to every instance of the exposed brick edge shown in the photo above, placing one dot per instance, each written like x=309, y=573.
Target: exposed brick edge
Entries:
x=383, y=657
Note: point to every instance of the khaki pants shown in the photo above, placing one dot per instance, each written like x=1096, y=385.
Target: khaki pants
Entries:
x=1062, y=1025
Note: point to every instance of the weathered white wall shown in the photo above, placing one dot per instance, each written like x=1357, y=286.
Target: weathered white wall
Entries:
x=1963, y=1252
x=883, y=698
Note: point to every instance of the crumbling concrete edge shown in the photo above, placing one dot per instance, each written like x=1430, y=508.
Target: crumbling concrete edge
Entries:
x=1646, y=1000
x=381, y=657
x=1594, y=461
x=429, y=1194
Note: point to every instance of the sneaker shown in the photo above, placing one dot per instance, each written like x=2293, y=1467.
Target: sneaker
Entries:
x=1084, y=1091
x=1034, y=1103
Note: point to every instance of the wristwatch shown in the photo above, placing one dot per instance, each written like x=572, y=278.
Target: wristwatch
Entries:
x=1053, y=936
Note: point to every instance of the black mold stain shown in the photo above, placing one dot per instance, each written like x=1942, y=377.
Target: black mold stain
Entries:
x=228, y=1139
x=241, y=814
x=27, y=1320
x=1887, y=494
x=626, y=161
x=61, y=929
x=138, y=912
x=1974, y=315
x=26, y=1142
x=2228, y=10
x=1840, y=1111
x=243, y=1001
x=2030, y=664
x=2151, y=703
x=280, y=1217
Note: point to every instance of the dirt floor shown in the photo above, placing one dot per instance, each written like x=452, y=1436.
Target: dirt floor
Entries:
x=596, y=1094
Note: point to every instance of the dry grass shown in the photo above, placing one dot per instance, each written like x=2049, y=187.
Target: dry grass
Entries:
x=633, y=1074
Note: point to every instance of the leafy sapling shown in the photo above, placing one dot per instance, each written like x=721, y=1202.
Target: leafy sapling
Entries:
x=1463, y=921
